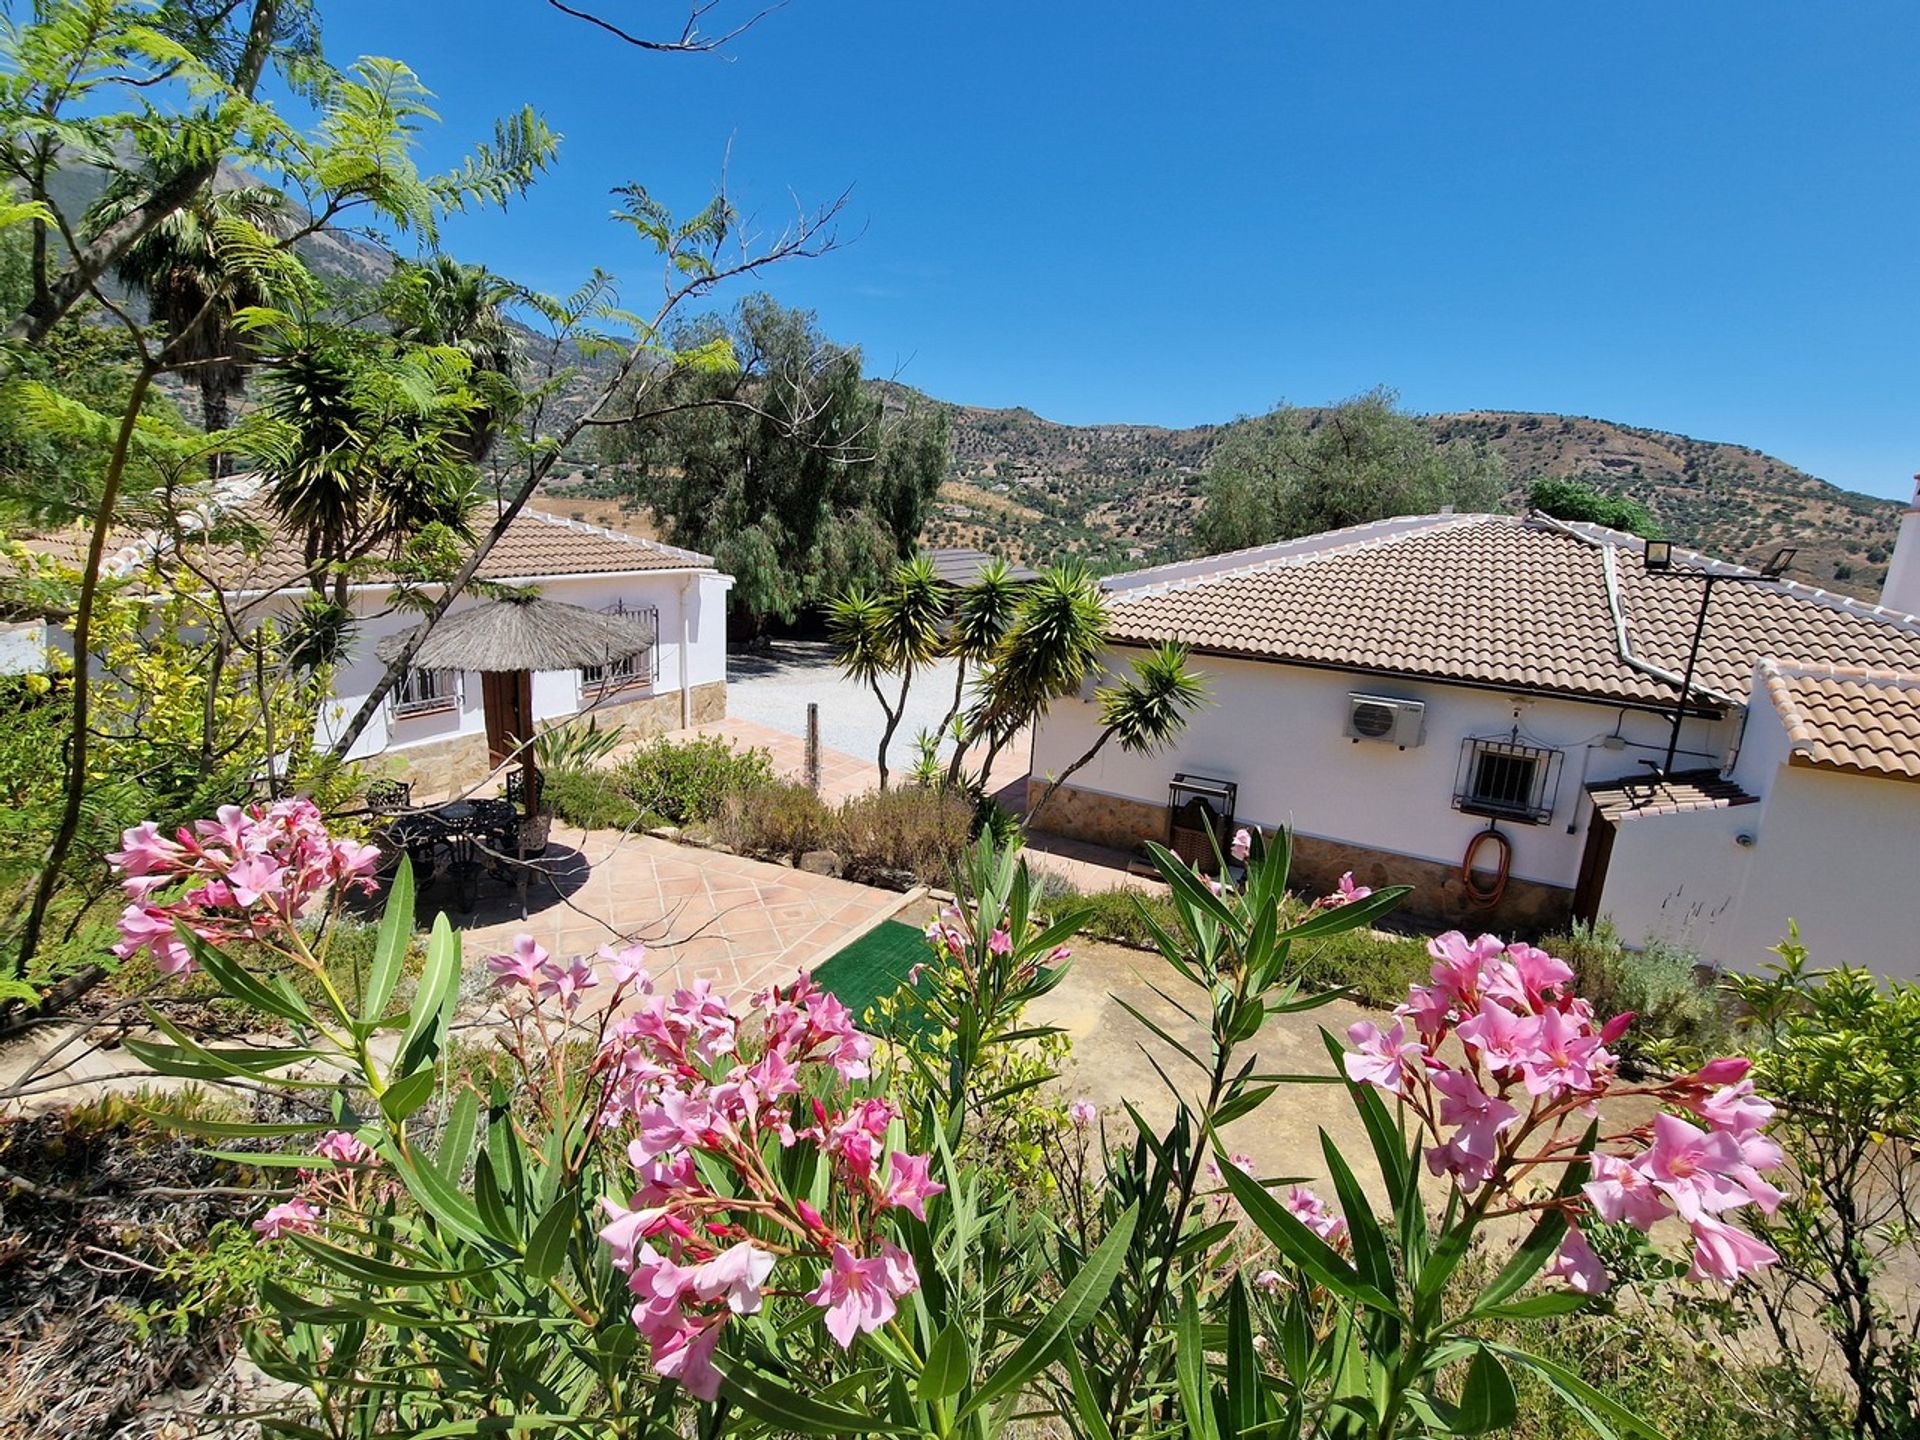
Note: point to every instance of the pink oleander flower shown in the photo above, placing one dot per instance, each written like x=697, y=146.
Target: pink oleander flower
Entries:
x=1268, y=1280
x=1382, y=1058
x=246, y=871
x=294, y=1217
x=1481, y=1119
x=1694, y=1167
x=1457, y=966
x=683, y=1351
x=1311, y=1211
x=1242, y=844
x=148, y=927
x=1620, y=1191
x=1502, y=1039
x=1000, y=943
x=1082, y=1113
x=735, y=1275
x=343, y=1148
x=567, y=983
x=1562, y=1056
x=626, y=1231
x=1536, y=1057
x=144, y=850
x=1735, y=1109
x=1579, y=1266
x=908, y=1186
x=1526, y=975
x=1345, y=892
x=859, y=1295
x=1724, y=1252
x=521, y=965
x=626, y=966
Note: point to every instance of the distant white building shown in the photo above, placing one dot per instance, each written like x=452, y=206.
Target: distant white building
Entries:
x=1481, y=705
x=434, y=726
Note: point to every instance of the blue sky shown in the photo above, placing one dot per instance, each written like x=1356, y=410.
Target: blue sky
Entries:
x=1698, y=216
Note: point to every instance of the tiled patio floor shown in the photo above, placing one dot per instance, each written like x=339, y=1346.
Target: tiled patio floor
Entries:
x=740, y=923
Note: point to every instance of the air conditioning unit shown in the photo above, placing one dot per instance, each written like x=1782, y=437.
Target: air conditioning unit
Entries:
x=1381, y=717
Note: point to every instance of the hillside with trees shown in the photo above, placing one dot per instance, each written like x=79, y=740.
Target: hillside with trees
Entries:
x=1128, y=495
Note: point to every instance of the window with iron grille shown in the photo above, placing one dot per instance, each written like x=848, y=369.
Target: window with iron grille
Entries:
x=1507, y=780
x=421, y=692
x=634, y=669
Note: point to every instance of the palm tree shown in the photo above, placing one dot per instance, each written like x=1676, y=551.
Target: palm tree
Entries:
x=1145, y=713
x=193, y=289
x=893, y=631
x=361, y=450
x=984, y=611
x=1046, y=653
x=445, y=302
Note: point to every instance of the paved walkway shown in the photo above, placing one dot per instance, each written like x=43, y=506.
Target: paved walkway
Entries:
x=740, y=923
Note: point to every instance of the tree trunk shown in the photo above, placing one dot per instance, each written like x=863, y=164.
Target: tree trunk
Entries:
x=959, y=698
x=1054, y=784
x=894, y=716
x=215, y=410
x=82, y=679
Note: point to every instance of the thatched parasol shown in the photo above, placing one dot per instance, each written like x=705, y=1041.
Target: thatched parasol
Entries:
x=532, y=634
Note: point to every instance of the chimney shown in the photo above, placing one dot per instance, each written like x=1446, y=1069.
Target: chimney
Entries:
x=1902, y=590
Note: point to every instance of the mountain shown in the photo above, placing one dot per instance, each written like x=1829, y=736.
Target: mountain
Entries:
x=1123, y=496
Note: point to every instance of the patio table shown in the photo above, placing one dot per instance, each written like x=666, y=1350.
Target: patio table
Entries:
x=466, y=828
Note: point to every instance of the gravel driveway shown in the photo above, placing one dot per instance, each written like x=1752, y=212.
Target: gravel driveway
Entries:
x=773, y=687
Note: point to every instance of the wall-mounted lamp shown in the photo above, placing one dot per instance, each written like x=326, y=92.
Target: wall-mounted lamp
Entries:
x=1659, y=555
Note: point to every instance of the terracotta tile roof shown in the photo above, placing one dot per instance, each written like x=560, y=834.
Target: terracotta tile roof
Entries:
x=1685, y=790
x=535, y=544
x=1501, y=600
x=1848, y=717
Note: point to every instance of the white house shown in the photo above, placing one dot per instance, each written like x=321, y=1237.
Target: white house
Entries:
x=1481, y=706
x=433, y=729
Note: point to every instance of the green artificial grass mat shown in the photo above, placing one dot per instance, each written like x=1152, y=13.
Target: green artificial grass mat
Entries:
x=874, y=966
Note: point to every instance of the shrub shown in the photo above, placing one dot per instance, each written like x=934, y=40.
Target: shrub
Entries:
x=1842, y=1053
x=772, y=1156
x=780, y=818
x=1673, y=1011
x=1120, y=915
x=688, y=780
x=912, y=828
x=1576, y=500
x=589, y=799
x=1374, y=967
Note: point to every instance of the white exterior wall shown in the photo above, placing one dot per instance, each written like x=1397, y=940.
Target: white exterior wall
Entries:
x=1679, y=878
x=1831, y=852
x=691, y=604
x=1834, y=853
x=1279, y=732
x=23, y=648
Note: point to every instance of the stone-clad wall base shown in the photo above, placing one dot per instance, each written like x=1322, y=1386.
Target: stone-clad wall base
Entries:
x=437, y=769
x=444, y=767
x=646, y=716
x=1110, y=820
x=1439, y=897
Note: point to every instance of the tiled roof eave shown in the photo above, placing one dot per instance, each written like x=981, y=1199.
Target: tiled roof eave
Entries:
x=1801, y=760
x=1647, y=699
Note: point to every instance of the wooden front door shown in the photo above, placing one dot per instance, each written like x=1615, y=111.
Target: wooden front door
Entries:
x=507, y=701
x=1593, y=869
